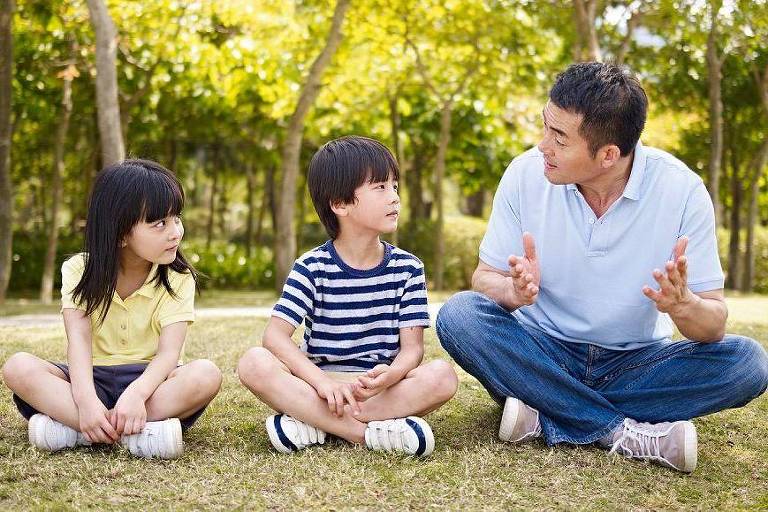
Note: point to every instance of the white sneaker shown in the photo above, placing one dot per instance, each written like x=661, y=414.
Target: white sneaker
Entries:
x=672, y=445
x=160, y=439
x=411, y=435
x=45, y=433
x=289, y=435
x=519, y=423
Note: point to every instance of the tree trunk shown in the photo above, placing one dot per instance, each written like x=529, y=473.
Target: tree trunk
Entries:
x=714, y=72
x=475, y=203
x=49, y=265
x=212, y=206
x=285, y=237
x=586, y=11
x=735, y=229
x=250, y=182
x=757, y=170
x=108, y=108
x=267, y=204
x=397, y=147
x=6, y=188
x=442, y=149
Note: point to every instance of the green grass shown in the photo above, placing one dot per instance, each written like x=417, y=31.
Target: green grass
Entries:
x=229, y=464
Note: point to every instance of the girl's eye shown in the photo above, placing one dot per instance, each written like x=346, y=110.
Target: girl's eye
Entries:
x=160, y=224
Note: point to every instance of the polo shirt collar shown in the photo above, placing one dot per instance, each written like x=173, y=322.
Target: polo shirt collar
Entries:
x=636, y=175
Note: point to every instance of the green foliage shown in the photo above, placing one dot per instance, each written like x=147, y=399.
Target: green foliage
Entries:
x=226, y=265
x=28, y=254
x=462, y=241
x=760, y=250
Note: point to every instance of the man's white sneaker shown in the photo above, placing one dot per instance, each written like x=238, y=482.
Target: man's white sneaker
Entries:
x=161, y=439
x=519, y=423
x=288, y=434
x=411, y=435
x=45, y=433
x=672, y=445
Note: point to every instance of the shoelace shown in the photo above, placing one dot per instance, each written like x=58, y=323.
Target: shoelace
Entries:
x=307, y=434
x=646, y=444
x=146, y=443
x=388, y=435
x=57, y=434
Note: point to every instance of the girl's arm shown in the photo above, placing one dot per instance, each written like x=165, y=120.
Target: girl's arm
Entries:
x=94, y=417
x=130, y=413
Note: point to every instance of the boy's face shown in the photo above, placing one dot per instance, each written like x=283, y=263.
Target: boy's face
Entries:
x=376, y=208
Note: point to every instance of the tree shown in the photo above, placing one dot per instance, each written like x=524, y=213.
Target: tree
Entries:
x=714, y=76
x=112, y=147
x=285, y=235
x=6, y=191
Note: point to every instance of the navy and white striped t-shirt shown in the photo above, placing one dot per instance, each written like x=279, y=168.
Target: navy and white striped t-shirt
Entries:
x=353, y=317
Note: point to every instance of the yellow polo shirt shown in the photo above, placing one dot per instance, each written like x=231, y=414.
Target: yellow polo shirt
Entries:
x=131, y=330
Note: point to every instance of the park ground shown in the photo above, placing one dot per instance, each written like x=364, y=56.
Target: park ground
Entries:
x=229, y=463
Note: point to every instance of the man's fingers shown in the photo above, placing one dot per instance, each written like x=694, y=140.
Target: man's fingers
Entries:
x=661, y=278
x=672, y=274
x=682, y=269
x=651, y=293
x=680, y=246
x=529, y=247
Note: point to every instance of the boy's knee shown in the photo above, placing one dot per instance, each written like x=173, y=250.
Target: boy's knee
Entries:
x=256, y=363
x=442, y=381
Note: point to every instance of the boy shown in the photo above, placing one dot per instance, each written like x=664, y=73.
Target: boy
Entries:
x=358, y=374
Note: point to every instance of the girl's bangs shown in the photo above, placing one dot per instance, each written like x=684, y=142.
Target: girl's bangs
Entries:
x=161, y=197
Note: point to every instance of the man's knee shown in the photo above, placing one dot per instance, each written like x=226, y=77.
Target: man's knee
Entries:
x=452, y=317
x=750, y=368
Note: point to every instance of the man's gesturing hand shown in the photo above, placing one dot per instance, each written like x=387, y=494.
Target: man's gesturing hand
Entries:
x=523, y=284
x=673, y=293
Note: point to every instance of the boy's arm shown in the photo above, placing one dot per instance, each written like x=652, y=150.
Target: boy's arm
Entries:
x=93, y=415
x=277, y=339
x=130, y=412
x=383, y=376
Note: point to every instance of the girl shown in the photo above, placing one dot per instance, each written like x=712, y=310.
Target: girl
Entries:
x=126, y=302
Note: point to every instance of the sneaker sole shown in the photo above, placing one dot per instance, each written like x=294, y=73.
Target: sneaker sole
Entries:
x=36, y=432
x=508, y=419
x=175, y=439
x=429, y=437
x=274, y=438
x=691, y=448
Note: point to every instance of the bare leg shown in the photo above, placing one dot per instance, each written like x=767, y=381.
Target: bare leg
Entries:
x=270, y=380
x=187, y=389
x=43, y=386
x=424, y=389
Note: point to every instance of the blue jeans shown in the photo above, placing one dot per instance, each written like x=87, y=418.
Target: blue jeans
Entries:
x=582, y=391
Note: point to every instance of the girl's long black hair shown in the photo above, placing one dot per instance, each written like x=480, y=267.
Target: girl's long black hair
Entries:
x=123, y=195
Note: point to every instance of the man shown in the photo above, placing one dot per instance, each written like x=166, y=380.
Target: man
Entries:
x=562, y=325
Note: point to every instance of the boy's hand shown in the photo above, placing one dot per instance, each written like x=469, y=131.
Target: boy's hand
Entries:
x=337, y=393
x=94, y=422
x=375, y=380
x=130, y=413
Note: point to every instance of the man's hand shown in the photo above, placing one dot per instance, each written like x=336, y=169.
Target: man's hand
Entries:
x=94, y=422
x=673, y=293
x=336, y=393
x=375, y=380
x=523, y=285
x=130, y=413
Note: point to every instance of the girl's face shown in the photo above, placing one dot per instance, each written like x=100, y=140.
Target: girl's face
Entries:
x=156, y=242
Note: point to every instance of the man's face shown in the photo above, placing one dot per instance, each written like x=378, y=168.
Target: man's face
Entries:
x=566, y=153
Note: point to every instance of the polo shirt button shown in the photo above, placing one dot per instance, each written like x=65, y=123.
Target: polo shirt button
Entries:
x=122, y=326
x=591, y=221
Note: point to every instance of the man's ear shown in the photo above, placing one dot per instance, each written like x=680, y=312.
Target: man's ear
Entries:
x=340, y=208
x=609, y=155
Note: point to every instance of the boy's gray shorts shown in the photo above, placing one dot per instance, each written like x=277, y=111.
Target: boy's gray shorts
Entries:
x=110, y=382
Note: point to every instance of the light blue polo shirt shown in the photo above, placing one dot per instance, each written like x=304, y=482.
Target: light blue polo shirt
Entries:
x=593, y=269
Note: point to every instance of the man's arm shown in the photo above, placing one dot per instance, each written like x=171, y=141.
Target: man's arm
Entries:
x=516, y=288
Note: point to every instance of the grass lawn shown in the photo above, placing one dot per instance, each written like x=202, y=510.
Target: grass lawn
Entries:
x=229, y=462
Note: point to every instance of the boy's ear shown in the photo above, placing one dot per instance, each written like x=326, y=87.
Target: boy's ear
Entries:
x=340, y=208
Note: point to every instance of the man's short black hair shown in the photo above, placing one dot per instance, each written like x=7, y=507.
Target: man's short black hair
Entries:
x=342, y=165
x=610, y=98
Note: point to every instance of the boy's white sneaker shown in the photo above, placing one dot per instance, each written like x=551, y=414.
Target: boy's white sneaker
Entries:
x=519, y=423
x=289, y=435
x=411, y=435
x=671, y=444
x=45, y=433
x=161, y=439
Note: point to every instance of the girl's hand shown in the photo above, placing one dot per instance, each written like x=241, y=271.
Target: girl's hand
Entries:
x=336, y=393
x=130, y=413
x=94, y=422
x=375, y=380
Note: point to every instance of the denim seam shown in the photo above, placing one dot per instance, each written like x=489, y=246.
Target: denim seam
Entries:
x=651, y=363
x=559, y=438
